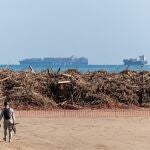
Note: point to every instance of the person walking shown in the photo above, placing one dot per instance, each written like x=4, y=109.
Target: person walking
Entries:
x=8, y=116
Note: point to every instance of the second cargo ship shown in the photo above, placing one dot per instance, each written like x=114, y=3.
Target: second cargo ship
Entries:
x=132, y=61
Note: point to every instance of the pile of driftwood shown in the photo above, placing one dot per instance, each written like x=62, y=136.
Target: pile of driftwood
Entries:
x=74, y=90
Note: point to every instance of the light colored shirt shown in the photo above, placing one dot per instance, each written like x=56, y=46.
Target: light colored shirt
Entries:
x=12, y=115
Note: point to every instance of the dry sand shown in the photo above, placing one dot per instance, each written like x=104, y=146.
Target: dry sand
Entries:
x=80, y=134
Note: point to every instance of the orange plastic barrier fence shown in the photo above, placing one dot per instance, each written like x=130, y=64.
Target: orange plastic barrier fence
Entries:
x=83, y=113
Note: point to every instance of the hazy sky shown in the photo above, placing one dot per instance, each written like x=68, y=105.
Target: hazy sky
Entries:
x=105, y=31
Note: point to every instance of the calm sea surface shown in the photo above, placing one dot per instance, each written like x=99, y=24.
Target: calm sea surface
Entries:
x=89, y=68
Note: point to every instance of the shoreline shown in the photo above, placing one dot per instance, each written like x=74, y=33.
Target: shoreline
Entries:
x=84, y=69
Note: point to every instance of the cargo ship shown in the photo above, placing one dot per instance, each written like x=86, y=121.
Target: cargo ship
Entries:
x=132, y=61
x=69, y=61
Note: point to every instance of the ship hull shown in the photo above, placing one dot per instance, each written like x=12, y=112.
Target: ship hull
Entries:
x=138, y=63
x=50, y=64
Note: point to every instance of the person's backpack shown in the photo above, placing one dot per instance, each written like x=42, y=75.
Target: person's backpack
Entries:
x=7, y=113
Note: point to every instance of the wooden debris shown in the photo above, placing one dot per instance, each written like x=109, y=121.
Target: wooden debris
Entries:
x=63, y=82
x=74, y=90
x=2, y=80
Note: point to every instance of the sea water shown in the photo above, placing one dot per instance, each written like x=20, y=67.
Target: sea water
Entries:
x=89, y=68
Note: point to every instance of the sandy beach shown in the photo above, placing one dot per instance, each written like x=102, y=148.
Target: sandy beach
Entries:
x=80, y=134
